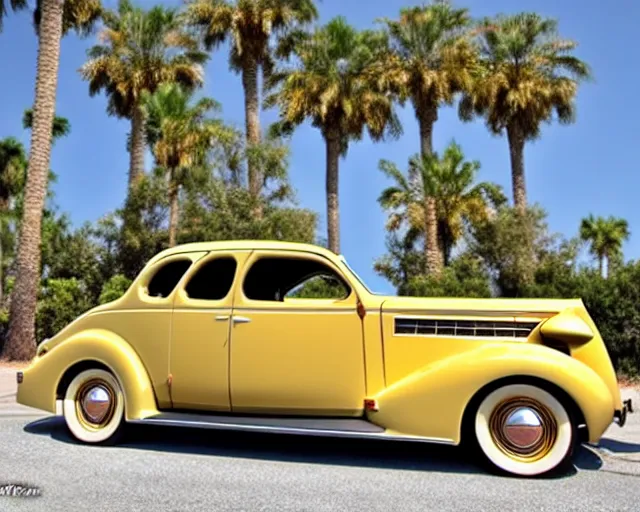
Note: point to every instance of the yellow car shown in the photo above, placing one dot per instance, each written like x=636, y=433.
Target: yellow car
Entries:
x=285, y=337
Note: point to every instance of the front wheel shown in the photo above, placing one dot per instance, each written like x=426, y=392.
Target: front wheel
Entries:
x=524, y=430
x=94, y=407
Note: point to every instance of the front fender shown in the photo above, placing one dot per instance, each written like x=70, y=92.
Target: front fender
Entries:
x=431, y=401
x=41, y=378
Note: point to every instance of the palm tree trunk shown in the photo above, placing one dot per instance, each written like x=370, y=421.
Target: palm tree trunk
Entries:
x=333, y=214
x=138, y=145
x=252, y=118
x=516, y=151
x=173, y=209
x=21, y=338
x=433, y=255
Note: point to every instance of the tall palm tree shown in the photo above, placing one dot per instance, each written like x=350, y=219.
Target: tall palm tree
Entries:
x=249, y=25
x=179, y=134
x=605, y=237
x=53, y=19
x=527, y=74
x=431, y=60
x=450, y=181
x=333, y=86
x=16, y=5
x=139, y=51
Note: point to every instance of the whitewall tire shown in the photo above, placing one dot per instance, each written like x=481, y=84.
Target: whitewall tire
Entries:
x=524, y=430
x=93, y=407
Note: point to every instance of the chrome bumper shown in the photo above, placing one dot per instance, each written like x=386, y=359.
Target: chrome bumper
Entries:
x=620, y=416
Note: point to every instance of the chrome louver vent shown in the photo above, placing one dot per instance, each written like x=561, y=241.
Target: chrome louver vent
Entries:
x=463, y=328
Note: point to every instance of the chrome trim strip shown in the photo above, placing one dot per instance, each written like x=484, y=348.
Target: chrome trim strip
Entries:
x=465, y=337
x=426, y=312
x=291, y=430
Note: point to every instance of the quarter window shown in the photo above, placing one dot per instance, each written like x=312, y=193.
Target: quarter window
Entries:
x=213, y=280
x=167, y=277
x=273, y=279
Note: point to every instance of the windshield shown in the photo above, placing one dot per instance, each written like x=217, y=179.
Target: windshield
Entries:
x=356, y=276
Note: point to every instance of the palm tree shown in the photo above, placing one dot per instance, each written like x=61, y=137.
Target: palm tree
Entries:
x=450, y=182
x=527, y=74
x=605, y=237
x=139, y=51
x=249, y=25
x=430, y=61
x=16, y=5
x=333, y=85
x=460, y=200
x=53, y=19
x=179, y=134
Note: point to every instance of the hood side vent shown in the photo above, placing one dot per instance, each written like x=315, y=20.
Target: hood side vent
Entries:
x=406, y=326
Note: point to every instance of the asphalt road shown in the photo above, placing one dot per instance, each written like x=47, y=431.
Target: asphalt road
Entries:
x=169, y=469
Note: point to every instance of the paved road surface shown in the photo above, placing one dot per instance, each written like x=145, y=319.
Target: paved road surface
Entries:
x=189, y=470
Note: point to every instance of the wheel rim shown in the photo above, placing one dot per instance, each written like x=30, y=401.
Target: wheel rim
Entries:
x=523, y=428
x=95, y=403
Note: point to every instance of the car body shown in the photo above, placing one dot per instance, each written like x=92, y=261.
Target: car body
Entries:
x=285, y=337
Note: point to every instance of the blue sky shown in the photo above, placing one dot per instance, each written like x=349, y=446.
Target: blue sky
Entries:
x=571, y=171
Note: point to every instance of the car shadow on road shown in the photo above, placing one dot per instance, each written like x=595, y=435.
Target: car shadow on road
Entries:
x=616, y=446
x=381, y=454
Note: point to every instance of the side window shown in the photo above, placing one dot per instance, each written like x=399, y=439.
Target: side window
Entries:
x=213, y=280
x=273, y=279
x=167, y=277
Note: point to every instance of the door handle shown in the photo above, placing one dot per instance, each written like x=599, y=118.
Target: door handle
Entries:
x=221, y=318
x=240, y=319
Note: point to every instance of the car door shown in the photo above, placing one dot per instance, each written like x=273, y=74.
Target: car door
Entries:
x=199, y=352
x=296, y=344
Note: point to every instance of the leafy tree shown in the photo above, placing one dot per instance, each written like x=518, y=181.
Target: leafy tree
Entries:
x=61, y=302
x=140, y=50
x=465, y=277
x=527, y=73
x=249, y=26
x=402, y=262
x=114, y=288
x=503, y=242
x=52, y=20
x=179, y=134
x=13, y=166
x=333, y=86
x=220, y=208
x=605, y=237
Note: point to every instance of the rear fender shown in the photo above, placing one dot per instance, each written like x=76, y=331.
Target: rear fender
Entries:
x=431, y=402
x=42, y=378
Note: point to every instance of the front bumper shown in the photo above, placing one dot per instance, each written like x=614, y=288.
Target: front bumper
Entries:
x=620, y=416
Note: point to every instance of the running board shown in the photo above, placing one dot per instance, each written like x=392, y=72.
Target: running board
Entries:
x=329, y=427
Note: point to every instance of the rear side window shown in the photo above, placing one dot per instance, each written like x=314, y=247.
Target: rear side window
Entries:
x=213, y=280
x=167, y=277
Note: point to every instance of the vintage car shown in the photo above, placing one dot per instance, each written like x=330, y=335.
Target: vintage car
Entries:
x=285, y=337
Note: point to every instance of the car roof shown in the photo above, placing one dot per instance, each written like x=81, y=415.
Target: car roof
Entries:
x=239, y=245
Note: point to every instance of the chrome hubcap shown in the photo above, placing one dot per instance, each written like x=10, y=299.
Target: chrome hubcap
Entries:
x=523, y=428
x=96, y=404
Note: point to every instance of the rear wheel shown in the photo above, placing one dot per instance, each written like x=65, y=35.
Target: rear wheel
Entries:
x=94, y=407
x=524, y=430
